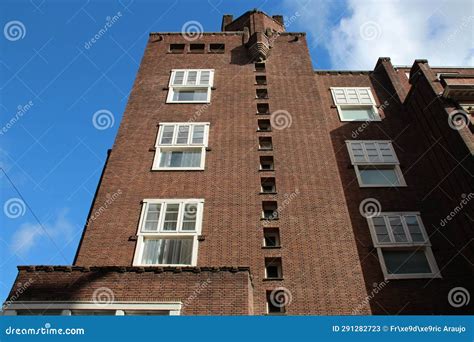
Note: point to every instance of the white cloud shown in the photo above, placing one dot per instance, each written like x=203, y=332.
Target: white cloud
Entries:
x=359, y=32
x=30, y=235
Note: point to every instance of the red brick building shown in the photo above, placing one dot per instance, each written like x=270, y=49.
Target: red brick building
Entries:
x=243, y=182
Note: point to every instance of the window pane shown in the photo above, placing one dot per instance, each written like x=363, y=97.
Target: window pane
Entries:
x=167, y=251
x=364, y=96
x=371, y=175
x=387, y=154
x=352, y=96
x=357, y=113
x=190, y=95
x=340, y=96
x=397, y=229
x=192, y=77
x=205, y=77
x=189, y=217
x=178, y=78
x=414, y=229
x=381, y=229
x=183, y=133
x=185, y=158
x=198, y=134
x=171, y=217
x=406, y=262
x=167, y=135
x=372, y=152
x=152, y=217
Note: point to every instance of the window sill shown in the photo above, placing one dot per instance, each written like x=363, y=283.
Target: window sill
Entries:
x=267, y=170
x=273, y=279
x=267, y=113
x=265, y=149
x=275, y=314
x=216, y=52
x=267, y=193
x=412, y=276
x=382, y=186
x=361, y=120
x=175, y=102
x=178, y=169
x=264, y=130
x=260, y=84
x=197, y=52
x=271, y=247
x=269, y=219
x=261, y=98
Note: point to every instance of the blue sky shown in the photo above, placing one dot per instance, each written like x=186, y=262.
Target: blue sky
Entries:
x=51, y=85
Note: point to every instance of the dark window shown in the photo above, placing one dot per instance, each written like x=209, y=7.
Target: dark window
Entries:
x=269, y=210
x=273, y=268
x=263, y=108
x=276, y=302
x=262, y=94
x=266, y=163
x=271, y=237
x=198, y=48
x=268, y=185
x=261, y=80
x=216, y=48
x=177, y=48
x=265, y=143
x=264, y=125
x=260, y=67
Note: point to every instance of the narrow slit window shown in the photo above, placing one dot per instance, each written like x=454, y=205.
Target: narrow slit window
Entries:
x=264, y=125
x=271, y=237
x=177, y=48
x=262, y=93
x=263, y=108
x=266, y=163
x=261, y=79
x=273, y=269
x=268, y=185
x=260, y=67
x=269, y=210
x=276, y=303
x=217, y=48
x=197, y=48
x=265, y=143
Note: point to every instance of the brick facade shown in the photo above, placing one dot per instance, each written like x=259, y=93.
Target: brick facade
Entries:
x=329, y=263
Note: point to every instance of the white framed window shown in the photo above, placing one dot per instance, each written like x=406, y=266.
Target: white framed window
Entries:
x=355, y=104
x=168, y=231
x=376, y=163
x=181, y=146
x=403, y=246
x=190, y=86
